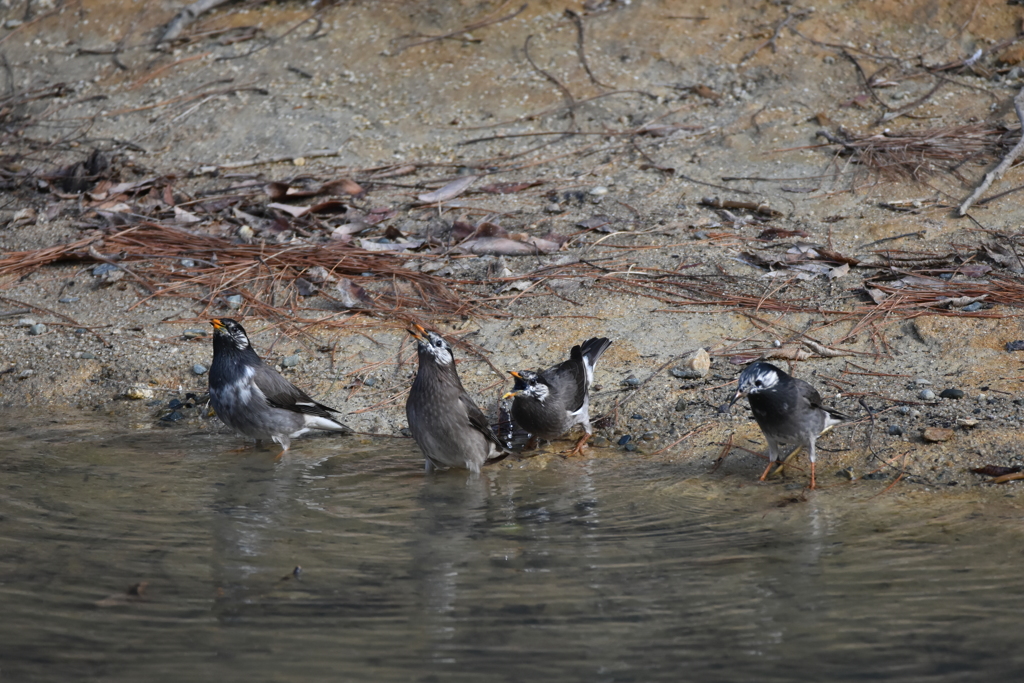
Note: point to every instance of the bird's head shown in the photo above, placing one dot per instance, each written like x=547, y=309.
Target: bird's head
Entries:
x=757, y=378
x=228, y=330
x=529, y=385
x=433, y=346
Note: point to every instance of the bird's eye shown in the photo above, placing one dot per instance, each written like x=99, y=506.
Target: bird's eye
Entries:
x=757, y=383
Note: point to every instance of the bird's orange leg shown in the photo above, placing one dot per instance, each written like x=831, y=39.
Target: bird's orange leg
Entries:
x=764, y=475
x=813, y=485
x=578, y=448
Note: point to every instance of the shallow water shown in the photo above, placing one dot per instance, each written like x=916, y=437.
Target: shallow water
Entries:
x=600, y=569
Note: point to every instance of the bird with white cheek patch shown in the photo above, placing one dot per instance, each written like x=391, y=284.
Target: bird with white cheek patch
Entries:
x=788, y=410
x=445, y=422
x=253, y=398
x=549, y=403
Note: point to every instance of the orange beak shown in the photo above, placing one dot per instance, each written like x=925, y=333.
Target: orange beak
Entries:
x=512, y=394
x=217, y=324
x=418, y=333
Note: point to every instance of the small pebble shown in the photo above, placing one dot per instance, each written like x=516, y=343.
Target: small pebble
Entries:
x=936, y=434
x=155, y=403
x=554, y=207
x=138, y=393
x=26, y=322
x=895, y=430
x=636, y=416
x=88, y=355
x=198, y=369
x=695, y=366
x=80, y=330
x=172, y=416
x=25, y=374
x=235, y=301
x=103, y=269
x=404, y=431
x=649, y=435
x=1015, y=345
x=970, y=308
x=926, y=395
x=68, y=299
x=193, y=334
x=175, y=404
x=700, y=235
x=37, y=329
x=630, y=447
x=631, y=381
x=290, y=361
x=904, y=409
x=625, y=438
x=681, y=405
x=599, y=191
x=369, y=381
x=188, y=263
x=951, y=393
x=725, y=408
x=599, y=442
x=922, y=382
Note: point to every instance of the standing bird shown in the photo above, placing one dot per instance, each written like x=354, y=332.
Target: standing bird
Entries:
x=448, y=426
x=555, y=400
x=253, y=398
x=788, y=410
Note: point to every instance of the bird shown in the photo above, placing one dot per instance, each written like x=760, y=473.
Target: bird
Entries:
x=253, y=398
x=445, y=422
x=788, y=410
x=548, y=403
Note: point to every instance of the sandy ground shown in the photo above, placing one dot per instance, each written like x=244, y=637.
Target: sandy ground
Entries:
x=334, y=88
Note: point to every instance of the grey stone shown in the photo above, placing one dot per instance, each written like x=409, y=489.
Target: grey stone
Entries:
x=290, y=361
x=37, y=329
x=926, y=395
x=199, y=369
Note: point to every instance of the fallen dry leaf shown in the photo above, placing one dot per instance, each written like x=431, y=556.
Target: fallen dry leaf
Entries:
x=449, y=191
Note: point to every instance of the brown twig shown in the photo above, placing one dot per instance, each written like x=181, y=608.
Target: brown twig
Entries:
x=997, y=173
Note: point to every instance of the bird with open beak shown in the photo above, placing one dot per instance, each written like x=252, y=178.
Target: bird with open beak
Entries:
x=549, y=403
x=445, y=422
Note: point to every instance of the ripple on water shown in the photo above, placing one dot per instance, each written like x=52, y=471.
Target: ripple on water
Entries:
x=596, y=569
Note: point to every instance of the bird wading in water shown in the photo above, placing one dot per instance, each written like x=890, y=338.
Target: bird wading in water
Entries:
x=445, y=422
x=548, y=403
x=253, y=398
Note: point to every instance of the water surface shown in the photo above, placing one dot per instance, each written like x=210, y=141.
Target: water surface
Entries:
x=596, y=569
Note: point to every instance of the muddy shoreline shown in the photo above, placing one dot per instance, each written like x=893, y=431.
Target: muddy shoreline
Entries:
x=674, y=109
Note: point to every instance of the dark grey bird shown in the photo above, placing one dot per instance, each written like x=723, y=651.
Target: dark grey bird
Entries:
x=548, y=403
x=448, y=426
x=788, y=410
x=253, y=398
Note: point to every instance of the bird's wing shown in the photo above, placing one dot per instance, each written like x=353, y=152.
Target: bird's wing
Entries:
x=568, y=380
x=281, y=393
x=478, y=421
x=813, y=398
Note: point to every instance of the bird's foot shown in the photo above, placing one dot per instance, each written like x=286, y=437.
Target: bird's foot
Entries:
x=767, y=470
x=813, y=483
x=579, y=447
